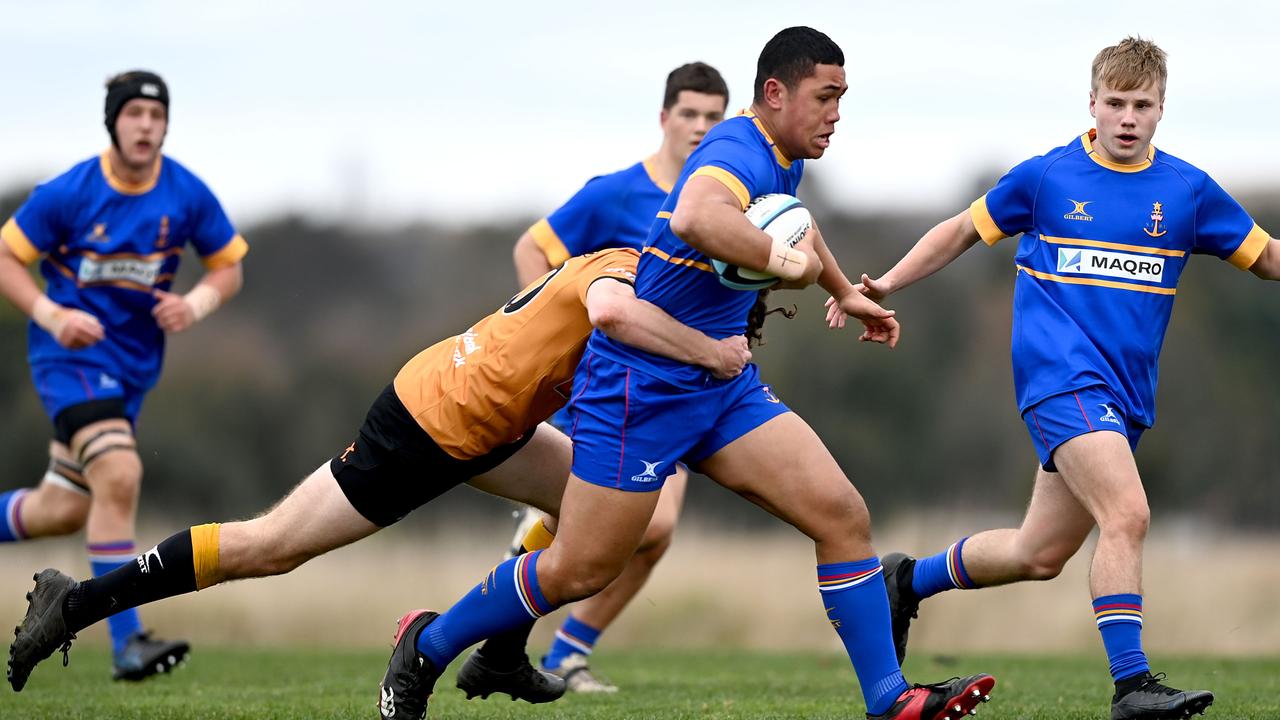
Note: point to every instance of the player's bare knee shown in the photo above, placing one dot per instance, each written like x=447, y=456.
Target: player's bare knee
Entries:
x=1045, y=565
x=657, y=537
x=115, y=477
x=576, y=579
x=1130, y=522
x=841, y=518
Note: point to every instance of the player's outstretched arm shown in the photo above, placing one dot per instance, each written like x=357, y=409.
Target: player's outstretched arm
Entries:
x=945, y=242
x=72, y=328
x=530, y=261
x=614, y=309
x=709, y=219
x=1267, y=266
x=175, y=313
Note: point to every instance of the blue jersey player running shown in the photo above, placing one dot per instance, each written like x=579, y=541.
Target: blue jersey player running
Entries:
x=1108, y=224
x=614, y=210
x=109, y=233
x=635, y=415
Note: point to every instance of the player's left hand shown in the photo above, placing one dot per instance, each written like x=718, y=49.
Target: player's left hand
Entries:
x=172, y=313
x=879, y=324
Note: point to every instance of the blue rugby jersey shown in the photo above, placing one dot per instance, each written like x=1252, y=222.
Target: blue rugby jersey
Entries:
x=610, y=211
x=1102, y=250
x=739, y=153
x=107, y=245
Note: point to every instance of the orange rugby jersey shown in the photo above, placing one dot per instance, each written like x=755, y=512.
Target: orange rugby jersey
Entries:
x=484, y=388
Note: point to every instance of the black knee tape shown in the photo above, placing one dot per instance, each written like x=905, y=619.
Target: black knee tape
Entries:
x=110, y=448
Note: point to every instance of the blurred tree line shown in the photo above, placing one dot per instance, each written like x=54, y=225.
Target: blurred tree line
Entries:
x=279, y=380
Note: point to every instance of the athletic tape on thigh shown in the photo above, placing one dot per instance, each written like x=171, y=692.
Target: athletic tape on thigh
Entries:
x=86, y=457
x=53, y=477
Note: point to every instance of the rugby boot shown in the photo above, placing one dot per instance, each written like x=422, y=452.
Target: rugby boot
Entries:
x=481, y=676
x=1153, y=700
x=950, y=700
x=143, y=657
x=410, y=677
x=44, y=629
x=904, y=603
x=579, y=678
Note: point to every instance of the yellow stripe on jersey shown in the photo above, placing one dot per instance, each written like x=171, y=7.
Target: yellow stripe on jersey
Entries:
x=1113, y=246
x=1086, y=141
x=18, y=243
x=778, y=155
x=982, y=220
x=545, y=237
x=651, y=171
x=1099, y=283
x=728, y=179
x=123, y=186
x=1251, y=249
x=678, y=261
x=204, y=555
x=229, y=255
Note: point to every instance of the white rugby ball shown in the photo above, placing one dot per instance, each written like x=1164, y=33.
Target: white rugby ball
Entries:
x=784, y=218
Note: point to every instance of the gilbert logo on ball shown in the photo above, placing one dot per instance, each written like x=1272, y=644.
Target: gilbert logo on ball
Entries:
x=784, y=218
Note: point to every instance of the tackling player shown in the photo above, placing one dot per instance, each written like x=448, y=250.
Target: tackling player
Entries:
x=109, y=233
x=637, y=415
x=614, y=210
x=463, y=410
x=1108, y=225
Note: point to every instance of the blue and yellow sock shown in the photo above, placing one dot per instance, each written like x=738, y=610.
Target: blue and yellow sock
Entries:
x=941, y=572
x=1120, y=622
x=574, y=636
x=103, y=558
x=507, y=598
x=858, y=608
x=11, y=529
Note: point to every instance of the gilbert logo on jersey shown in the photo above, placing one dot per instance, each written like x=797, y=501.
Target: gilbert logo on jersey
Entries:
x=1078, y=212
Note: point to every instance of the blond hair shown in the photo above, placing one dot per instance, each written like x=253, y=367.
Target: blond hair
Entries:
x=1131, y=64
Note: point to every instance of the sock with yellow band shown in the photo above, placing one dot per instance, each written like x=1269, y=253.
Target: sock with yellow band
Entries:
x=182, y=563
x=505, y=651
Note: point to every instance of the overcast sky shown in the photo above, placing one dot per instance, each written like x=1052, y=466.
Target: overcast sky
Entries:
x=390, y=111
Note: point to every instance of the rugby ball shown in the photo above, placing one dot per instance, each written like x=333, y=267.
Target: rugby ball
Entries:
x=784, y=218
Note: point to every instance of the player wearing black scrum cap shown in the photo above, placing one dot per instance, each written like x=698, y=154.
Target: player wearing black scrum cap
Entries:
x=109, y=233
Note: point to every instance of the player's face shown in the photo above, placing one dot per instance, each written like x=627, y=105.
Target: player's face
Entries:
x=1126, y=121
x=685, y=123
x=810, y=111
x=140, y=131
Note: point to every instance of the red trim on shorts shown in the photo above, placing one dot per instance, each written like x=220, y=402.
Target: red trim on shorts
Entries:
x=1043, y=439
x=626, y=410
x=1082, y=413
x=85, y=381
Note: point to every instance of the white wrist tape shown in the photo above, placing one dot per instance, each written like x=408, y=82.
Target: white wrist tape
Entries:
x=203, y=300
x=48, y=314
x=785, y=261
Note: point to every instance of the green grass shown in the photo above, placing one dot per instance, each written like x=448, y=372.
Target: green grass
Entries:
x=262, y=684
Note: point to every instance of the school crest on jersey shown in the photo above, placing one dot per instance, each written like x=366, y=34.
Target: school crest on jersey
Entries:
x=1157, y=217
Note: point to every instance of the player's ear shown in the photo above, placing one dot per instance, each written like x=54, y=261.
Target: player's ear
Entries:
x=1093, y=99
x=775, y=93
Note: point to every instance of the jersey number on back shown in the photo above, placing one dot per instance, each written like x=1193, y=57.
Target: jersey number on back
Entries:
x=518, y=301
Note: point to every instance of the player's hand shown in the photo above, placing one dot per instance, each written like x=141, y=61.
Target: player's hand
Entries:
x=879, y=325
x=76, y=329
x=732, y=355
x=172, y=313
x=876, y=289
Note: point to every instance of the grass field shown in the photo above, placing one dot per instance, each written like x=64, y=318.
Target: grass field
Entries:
x=264, y=684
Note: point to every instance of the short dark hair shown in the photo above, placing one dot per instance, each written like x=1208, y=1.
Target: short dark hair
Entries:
x=791, y=56
x=696, y=77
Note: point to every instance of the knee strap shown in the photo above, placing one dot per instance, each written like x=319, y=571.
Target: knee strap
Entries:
x=86, y=456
